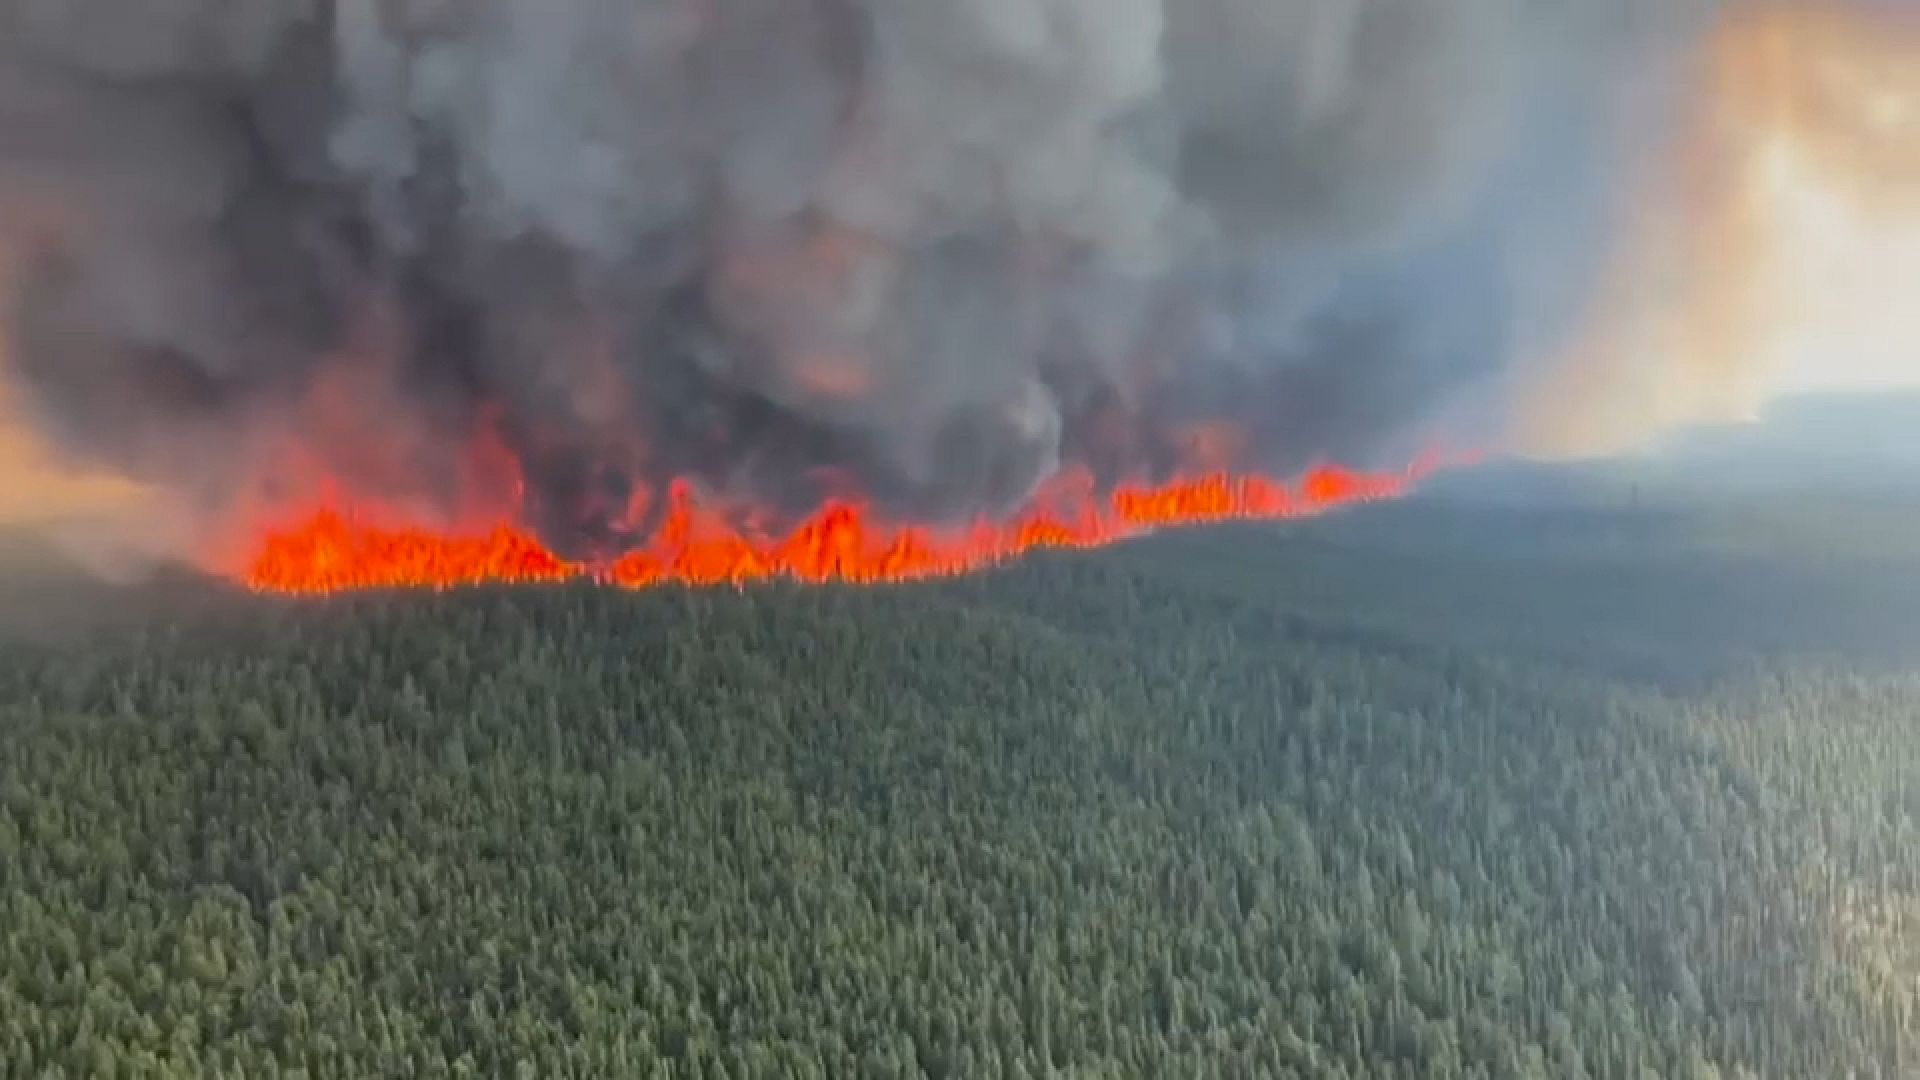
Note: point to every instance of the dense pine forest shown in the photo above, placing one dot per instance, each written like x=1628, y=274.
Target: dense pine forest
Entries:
x=1614, y=788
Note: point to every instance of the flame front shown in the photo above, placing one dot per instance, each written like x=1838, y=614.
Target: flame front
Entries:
x=334, y=551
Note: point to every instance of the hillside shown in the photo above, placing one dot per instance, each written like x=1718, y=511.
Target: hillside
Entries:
x=1434, y=790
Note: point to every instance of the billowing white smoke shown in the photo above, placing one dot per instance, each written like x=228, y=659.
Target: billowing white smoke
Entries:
x=939, y=244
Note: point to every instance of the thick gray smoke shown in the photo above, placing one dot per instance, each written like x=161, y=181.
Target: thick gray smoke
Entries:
x=929, y=248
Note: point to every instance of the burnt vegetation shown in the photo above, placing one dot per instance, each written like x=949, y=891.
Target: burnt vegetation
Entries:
x=1625, y=791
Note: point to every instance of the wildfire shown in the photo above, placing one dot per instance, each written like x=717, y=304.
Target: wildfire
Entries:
x=335, y=551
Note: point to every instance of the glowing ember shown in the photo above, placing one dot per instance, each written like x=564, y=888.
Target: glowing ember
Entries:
x=332, y=551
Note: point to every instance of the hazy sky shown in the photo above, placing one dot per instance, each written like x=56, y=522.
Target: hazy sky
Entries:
x=1852, y=320
x=32, y=489
x=35, y=487
x=1814, y=374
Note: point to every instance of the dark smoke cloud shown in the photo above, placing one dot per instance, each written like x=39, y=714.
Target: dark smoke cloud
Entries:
x=929, y=248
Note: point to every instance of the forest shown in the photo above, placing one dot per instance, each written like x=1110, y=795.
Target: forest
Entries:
x=1617, y=787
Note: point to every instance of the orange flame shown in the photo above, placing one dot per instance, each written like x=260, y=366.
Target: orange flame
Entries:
x=333, y=551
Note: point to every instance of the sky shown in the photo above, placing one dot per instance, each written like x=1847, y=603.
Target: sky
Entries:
x=36, y=486
x=1846, y=310
x=1861, y=329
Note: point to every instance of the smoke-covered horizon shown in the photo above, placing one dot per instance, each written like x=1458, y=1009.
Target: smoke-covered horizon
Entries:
x=926, y=250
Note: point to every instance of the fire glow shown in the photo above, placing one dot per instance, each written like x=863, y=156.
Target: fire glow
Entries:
x=335, y=551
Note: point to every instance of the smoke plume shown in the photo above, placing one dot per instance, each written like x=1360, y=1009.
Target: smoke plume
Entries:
x=553, y=253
